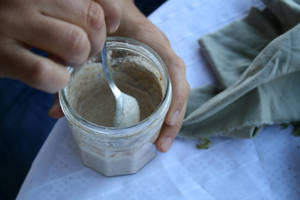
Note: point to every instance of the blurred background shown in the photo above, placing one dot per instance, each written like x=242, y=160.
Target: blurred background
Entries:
x=25, y=124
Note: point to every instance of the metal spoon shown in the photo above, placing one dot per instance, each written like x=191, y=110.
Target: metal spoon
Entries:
x=127, y=108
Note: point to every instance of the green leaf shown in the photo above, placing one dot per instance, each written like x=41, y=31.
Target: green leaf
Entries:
x=296, y=127
x=204, y=143
x=296, y=124
x=284, y=125
x=296, y=132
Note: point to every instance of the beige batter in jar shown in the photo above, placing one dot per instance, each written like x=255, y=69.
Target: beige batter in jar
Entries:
x=88, y=104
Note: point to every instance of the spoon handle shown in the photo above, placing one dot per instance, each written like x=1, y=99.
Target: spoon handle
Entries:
x=108, y=77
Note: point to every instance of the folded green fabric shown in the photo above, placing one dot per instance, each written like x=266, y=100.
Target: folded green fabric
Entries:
x=257, y=63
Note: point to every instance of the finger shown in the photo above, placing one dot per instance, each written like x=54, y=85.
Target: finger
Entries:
x=59, y=38
x=112, y=12
x=86, y=14
x=21, y=64
x=168, y=133
x=176, y=68
x=56, y=111
x=180, y=90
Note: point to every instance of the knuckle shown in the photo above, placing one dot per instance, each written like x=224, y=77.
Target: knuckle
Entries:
x=183, y=87
x=187, y=89
x=164, y=37
x=177, y=126
x=175, y=61
x=78, y=46
x=95, y=15
x=185, y=92
x=179, y=63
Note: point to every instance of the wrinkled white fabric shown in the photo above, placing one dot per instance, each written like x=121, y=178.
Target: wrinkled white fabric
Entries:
x=266, y=167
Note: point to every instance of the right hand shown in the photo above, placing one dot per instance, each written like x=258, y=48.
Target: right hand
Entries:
x=70, y=30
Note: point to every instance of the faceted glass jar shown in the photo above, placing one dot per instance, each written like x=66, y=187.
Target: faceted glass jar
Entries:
x=118, y=151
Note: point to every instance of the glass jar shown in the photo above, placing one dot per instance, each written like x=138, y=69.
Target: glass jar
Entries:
x=118, y=151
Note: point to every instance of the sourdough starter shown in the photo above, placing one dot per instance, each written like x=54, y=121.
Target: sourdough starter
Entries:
x=91, y=97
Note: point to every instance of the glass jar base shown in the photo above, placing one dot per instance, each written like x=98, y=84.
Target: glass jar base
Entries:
x=118, y=164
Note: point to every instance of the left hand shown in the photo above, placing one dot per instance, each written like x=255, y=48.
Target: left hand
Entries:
x=135, y=25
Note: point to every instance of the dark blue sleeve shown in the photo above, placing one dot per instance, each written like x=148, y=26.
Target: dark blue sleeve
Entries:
x=24, y=126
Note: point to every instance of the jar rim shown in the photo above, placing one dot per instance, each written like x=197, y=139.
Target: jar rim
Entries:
x=134, y=129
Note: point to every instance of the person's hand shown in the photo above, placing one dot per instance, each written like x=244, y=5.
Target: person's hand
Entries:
x=69, y=30
x=136, y=25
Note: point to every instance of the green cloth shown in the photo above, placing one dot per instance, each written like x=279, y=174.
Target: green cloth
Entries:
x=257, y=63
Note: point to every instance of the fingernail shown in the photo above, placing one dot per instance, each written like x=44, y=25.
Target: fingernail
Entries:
x=166, y=143
x=174, y=118
x=113, y=29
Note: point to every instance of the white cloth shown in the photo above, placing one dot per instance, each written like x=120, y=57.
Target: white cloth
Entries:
x=266, y=167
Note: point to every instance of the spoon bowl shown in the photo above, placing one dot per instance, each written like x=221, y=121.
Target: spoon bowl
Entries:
x=127, y=110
